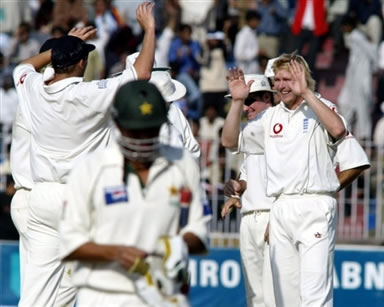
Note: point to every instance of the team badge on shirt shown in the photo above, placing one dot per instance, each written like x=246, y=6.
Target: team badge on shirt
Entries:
x=102, y=84
x=115, y=194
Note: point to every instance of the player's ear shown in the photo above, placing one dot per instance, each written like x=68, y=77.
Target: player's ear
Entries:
x=83, y=63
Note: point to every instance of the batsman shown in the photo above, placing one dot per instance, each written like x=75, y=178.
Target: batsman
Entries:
x=122, y=221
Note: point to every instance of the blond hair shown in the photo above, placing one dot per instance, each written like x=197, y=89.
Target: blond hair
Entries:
x=283, y=61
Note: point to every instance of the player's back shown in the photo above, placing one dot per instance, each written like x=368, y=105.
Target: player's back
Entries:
x=68, y=119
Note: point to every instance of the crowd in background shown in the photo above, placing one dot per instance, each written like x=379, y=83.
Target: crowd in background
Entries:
x=198, y=42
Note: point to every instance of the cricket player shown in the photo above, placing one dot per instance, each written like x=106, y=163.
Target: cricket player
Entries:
x=297, y=137
x=177, y=132
x=255, y=206
x=68, y=118
x=122, y=202
x=350, y=159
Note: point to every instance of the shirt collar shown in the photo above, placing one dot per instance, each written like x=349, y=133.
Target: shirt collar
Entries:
x=61, y=85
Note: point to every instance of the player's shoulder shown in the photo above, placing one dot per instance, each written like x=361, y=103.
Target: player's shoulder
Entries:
x=21, y=71
x=327, y=102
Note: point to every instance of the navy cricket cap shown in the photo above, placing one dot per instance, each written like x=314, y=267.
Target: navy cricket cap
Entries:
x=68, y=50
x=48, y=44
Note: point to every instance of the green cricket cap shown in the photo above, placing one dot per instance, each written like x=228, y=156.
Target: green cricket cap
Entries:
x=139, y=105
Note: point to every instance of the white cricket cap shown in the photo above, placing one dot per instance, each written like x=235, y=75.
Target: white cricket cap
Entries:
x=171, y=89
x=268, y=70
x=260, y=84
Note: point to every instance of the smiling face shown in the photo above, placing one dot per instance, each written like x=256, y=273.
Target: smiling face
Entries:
x=282, y=84
x=256, y=103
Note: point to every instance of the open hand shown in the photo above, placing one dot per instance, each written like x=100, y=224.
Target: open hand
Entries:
x=238, y=88
x=83, y=33
x=298, y=84
x=144, y=15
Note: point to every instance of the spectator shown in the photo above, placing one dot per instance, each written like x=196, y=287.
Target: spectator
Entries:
x=13, y=13
x=184, y=57
x=355, y=99
x=246, y=48
x=7, y=229
x=210, y=125
x=166, y=36
x=104, y=19
x=43, y=21
x=186, y=52
x=66, y=13
x=273, y=19
x=369, y=16
x=22, y=45
x=308, y=27
x=213, y=82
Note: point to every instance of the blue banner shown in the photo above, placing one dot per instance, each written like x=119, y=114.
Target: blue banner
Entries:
x=217, y=280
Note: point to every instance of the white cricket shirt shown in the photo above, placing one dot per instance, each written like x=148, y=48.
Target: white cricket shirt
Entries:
x=253, y=172
x=178, y=133
x=350, y=154
x=101, y=208
x=297, y=150
x=68, y=118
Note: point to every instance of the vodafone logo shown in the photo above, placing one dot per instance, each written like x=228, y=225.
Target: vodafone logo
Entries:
x=277, y=128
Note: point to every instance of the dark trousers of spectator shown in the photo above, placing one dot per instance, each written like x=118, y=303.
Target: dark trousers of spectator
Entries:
x=308, y=44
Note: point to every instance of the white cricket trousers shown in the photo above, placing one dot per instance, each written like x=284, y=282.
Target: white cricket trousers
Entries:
x=255, y=259
x=302, y=242
x=19, y=214
x=87, y=297
x=46, y=279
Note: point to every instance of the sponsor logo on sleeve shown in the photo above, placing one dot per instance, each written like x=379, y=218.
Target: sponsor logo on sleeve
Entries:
x=22, y=78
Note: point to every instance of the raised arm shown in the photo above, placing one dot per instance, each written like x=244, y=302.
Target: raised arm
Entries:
x=239, y=91
x=329, y=119
x=144, y=62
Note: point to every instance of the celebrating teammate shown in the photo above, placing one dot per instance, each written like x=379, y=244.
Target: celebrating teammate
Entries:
x=178, y=132
x=68, y=118
x=124, y=203
x=255, y=206
x=297, y=137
